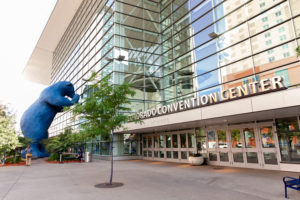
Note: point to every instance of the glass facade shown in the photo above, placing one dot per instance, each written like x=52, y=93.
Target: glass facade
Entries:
x=172, y=50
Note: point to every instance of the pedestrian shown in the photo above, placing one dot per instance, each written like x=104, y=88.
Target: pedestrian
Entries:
x=79, y=155
x=28, y=155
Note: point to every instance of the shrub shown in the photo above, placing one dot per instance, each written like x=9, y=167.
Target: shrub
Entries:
x=11, y=160
x=54, y=157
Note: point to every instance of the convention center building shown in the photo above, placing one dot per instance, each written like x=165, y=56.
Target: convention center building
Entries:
x=217, y=77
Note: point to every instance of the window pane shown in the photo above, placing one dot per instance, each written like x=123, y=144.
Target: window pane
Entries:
x=287, y=124
x=175, y=154
x=213, y=157
x=269, y=19
x=169, y=155
x=162, y=154
x=183, y=155
x=289, y=139
x=191, y=140
x=236, y=139
x=168, y=141
x=174, y=141
x=211, y=139
x=270, y=158
x=200, y=139
x=224, y=157
x=149, y=153
x=252, y=157
x=267, y=137
x=156, y=138
x=222, y=141
x=260, y=42
x=183, y=140
x=295, y=5
x=161, y=141
x=238, y=157
x=149, y=141
x=249, y=138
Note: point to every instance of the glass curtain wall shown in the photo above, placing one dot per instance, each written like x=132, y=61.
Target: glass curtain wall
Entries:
x=172, y=50
x=222, y=44
x=137, y=39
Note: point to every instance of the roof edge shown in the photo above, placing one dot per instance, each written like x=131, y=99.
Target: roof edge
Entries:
x=38, y=67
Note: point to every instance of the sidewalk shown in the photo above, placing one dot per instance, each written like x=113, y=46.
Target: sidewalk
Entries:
x=142, y=180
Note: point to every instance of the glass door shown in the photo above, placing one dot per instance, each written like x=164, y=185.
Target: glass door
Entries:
x=212, y=147
x=237, y=147
x=268, y=147
x=223, y=146
x=251, y=147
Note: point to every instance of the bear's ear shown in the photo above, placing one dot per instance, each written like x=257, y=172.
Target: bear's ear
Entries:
x=69, y=84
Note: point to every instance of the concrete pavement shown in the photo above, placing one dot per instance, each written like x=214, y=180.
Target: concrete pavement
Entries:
x=142, y=180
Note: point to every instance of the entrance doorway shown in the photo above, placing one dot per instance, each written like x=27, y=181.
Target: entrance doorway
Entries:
x=173, y=146
x=249, y=145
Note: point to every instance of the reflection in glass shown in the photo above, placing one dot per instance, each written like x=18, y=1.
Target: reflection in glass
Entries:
x=249, y=138
x=168, y=141
x=287, y=124
x=145, y=153
x=175, y=154
x=144, y=142
x=183, y=155
x=149, y=138
x=295, y=5
x=191, y=140
x=161, y=141
x=289, y=139
x=200, y=139
x=169, y=155
x=174, y=141
x=252, y=157
x=238, y=157
x=211, y=139
x=149, y=153
x=267, y=137
x=162, y=154
x=222, y=141
x=156, y=139
x=213, y=157
x=155, y=154
x=270, y=158
x=183, y=140
x=224, y=157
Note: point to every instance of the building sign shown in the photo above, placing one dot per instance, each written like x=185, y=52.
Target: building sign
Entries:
x=226, y=94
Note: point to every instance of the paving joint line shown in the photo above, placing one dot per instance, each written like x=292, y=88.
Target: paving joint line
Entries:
x=11, y=187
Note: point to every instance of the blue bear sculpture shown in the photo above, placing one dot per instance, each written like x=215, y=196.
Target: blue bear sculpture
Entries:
x=38, y=117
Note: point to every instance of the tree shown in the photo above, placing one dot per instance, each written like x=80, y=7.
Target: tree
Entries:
x=104, y=110
x=8, y=138
x=298, y=51
x=60, y=143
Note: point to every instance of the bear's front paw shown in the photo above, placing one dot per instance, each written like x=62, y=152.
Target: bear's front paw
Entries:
x=75, y=98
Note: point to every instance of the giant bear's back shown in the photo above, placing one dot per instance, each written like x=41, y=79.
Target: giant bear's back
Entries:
x=36, y=120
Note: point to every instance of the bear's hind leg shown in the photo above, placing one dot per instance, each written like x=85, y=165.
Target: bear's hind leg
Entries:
x=36, y=151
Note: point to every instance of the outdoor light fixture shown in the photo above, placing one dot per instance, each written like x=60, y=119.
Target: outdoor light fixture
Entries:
x=213, y=35
x=119, y=58
x=109, y=59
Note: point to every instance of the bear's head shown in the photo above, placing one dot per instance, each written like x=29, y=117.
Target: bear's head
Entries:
x=65, y=88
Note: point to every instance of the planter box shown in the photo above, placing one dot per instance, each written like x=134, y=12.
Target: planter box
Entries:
x=196, y=160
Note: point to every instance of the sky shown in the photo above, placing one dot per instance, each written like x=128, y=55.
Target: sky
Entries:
x=22, y=23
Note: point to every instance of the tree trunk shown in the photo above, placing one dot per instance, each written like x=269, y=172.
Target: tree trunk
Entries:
x=112, y=157
x=3, y=161
x=15, y=156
